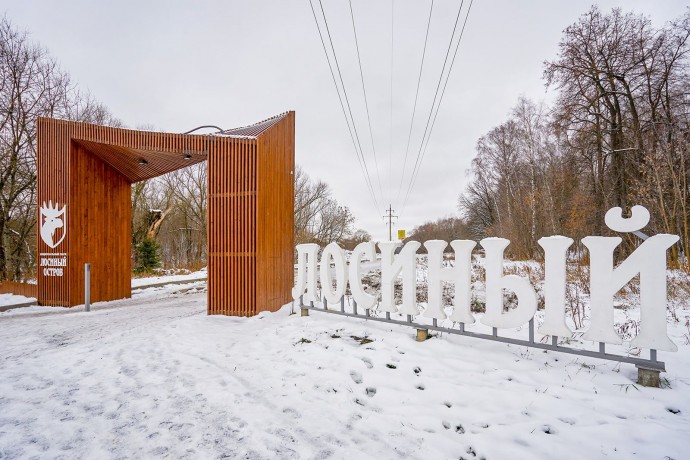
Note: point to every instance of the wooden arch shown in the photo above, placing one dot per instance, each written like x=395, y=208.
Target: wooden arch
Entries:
x=88, y=170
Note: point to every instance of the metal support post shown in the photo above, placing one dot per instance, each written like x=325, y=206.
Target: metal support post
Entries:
x=87, y=287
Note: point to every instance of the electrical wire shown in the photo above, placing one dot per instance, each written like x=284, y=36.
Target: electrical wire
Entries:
x=414, y=108
x=360, y=157
x=347, y=100
x=347, y=108
x=433, y=104
x=366, y=103
x=445, y=84
x=443, y=92
x=390, y=142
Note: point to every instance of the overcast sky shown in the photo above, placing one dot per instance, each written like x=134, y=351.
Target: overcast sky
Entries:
x=177, y=65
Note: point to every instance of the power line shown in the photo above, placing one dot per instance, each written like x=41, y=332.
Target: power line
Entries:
x=347, y=100
x=416, y=95
x=445, y=84
x=433, y=104
x=347, y=120
x=358, y=154
x=366, y=103
x=443, y=92
x=390, y=141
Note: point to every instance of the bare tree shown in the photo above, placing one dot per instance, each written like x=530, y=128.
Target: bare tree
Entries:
x=318, y=217
x=446, y=229
x=618, y=135
x=32, y=85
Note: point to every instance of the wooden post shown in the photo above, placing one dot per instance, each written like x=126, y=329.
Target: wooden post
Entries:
x=422, y=335
x=648, y=377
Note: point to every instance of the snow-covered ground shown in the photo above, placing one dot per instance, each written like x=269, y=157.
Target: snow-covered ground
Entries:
x=154, y=377
x=148, y=280
x=11, y=299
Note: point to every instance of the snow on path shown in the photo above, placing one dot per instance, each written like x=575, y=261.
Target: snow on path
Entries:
x=155, y=377
x=199, y=275
x=137, y=283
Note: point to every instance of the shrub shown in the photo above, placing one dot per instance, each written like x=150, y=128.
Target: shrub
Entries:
x=147, y=256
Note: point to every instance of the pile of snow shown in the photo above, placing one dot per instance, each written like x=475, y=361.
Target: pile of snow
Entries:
x=12, y=299
x=154, y=376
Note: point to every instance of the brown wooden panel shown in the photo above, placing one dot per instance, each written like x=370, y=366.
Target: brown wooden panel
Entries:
x=231, y=210
x=52, y=179
x=275, y=215
x=100, y=228
x=25, y=289
x=89, y=169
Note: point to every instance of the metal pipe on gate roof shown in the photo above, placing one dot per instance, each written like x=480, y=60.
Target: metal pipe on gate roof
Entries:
x=203, y=126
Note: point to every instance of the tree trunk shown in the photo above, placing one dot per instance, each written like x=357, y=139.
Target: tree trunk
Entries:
x=155, y=222
x=3, y=253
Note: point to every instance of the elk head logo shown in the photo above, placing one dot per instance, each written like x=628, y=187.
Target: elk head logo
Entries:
x=52, y=218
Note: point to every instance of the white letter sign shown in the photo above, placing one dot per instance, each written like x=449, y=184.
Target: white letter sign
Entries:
x=648, y=260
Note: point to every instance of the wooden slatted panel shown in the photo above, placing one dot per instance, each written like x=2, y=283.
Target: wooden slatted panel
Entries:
x=53, y=175
x=275, y=215
x=25, y=289
x=90, y=168
x=127, y=161
x=231, y=247
x=100, y=228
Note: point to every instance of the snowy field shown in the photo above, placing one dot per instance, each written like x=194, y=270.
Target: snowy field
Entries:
x=155, y=377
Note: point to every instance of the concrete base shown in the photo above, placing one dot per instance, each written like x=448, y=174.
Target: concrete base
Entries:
x=422, y=335
x=304, y=312
x=648, y=377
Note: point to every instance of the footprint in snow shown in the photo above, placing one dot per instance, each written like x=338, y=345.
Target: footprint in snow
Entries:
x=420, y=387
x=292, y=412
x=368, y=363
x=356, y=377
x=371, y=391
x=548, y=429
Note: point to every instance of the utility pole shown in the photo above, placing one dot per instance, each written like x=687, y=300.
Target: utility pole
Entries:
x=390, y=216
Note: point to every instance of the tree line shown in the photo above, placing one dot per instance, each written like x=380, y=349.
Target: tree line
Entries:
x=32, y=85
x=618, y=134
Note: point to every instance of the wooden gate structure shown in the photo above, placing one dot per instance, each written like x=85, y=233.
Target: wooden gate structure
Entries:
x=85, y=173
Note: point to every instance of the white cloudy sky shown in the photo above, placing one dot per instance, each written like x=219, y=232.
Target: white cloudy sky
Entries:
x=177, y=65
